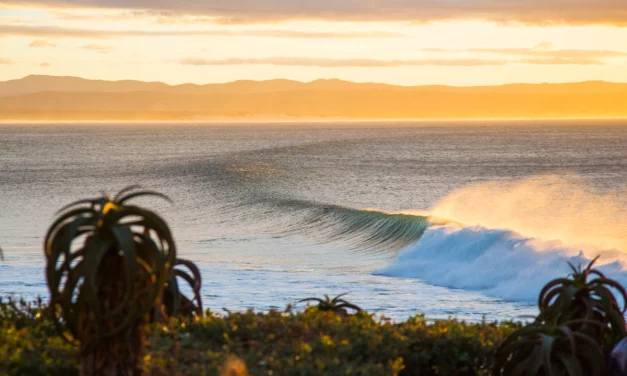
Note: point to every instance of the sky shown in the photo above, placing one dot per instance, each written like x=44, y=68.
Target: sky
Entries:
x=402, y=42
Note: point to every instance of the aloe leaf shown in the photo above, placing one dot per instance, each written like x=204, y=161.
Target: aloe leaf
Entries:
x=621, y=290
x=91, y=201
x=549, y=286
x=571, y=338
x=125, y=190
x=131, y=196
x=547, y=351
x=311, y=300
x=571, y=364
x=193, y=269
x=94, y=253
x=173, y=285
x=337, y=298
x=124, y=237
x=592, y=263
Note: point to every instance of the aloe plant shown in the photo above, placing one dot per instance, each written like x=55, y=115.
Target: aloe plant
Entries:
x=580, y=321
x=337, y=304
x=586, y=295
x=174, y=301
x=550, y=350
x=108, y=266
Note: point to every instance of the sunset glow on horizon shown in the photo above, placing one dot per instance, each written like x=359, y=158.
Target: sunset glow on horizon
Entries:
x=407, y=43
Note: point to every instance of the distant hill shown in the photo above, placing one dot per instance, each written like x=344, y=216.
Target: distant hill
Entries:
x=37, y=83
x=71, y=98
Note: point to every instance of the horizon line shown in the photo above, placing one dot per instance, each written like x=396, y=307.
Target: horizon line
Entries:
x=305, y=120
x=318, y=80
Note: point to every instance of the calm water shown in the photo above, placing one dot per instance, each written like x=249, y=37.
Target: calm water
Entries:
x=237, y=189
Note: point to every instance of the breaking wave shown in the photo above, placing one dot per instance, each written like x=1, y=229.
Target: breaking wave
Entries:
x=324, y=223
x=522, y=235
x=498, y=263
x=503, y=239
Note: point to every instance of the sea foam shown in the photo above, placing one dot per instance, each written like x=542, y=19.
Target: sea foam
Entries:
x=523, y=235
x=498, y=263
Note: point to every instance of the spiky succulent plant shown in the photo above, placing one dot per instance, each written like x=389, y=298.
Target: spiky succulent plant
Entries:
x=174, y=301
x=108, y=265
x=550, y=350
x=337, y=304
x=580, y=321
x=586, y=295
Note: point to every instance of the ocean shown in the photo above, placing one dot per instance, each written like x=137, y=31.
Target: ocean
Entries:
x=447, y=219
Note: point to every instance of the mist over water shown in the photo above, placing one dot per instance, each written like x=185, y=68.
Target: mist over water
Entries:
x=510, y=238
x=550, y=207
x=470, y=219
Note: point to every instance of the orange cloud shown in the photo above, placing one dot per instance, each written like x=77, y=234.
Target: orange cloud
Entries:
x=543, y=53
x=5, y=61
x=337, y=63
x=41, y=43
x=574, y=12
x=64, y=32
x=375, y=63
x=566, y=54
x=98, y=48
x=560, y=61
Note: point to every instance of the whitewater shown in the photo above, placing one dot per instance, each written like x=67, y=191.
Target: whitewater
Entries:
x=462, y=220
x=520, y=235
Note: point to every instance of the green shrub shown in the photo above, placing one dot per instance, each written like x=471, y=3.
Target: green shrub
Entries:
x=274, y=343
x=30, y=343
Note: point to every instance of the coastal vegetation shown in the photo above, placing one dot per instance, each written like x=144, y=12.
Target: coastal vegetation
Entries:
x=120, y=276
x=287, y=342
x=116, y=309
x=579, y=323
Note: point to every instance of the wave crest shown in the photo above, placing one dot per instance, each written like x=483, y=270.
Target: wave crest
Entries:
x=498, y=263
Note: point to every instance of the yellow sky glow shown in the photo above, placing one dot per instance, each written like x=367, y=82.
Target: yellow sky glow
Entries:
x=143, y=44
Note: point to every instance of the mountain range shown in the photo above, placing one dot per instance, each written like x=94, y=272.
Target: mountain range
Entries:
x=58, y=98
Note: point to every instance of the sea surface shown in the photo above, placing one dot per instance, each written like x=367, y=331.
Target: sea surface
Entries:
x=449, y=219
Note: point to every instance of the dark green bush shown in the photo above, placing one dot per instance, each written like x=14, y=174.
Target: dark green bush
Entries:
x=30, y=343
x=275, y=343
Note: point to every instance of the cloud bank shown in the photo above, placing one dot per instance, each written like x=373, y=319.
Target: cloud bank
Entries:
x=574, y=12
x=39, y=43
x=65, y=32
x=98, y=48
x=375, y=63
x=543, y=53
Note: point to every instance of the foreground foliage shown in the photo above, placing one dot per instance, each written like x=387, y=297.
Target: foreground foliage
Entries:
x=579, y=324
x=312, y=342
x=337, y=304
x=111, y=268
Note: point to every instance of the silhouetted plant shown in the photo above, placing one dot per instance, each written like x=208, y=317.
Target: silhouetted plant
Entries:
x=580, y=321
x=546, y=349
x=174, y=301
x=337, y=304
x=586, y=295
x=108, y=265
